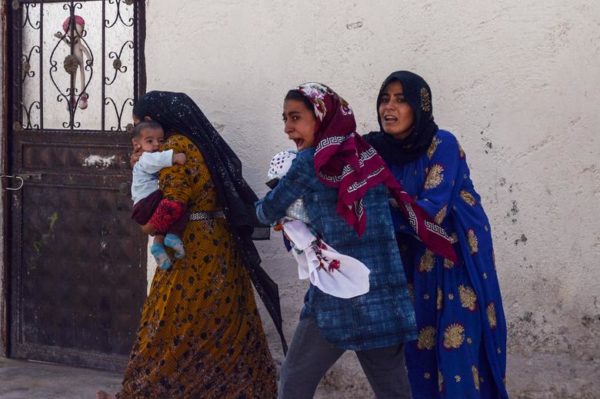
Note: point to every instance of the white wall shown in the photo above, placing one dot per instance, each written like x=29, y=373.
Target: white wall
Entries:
x=517, y=81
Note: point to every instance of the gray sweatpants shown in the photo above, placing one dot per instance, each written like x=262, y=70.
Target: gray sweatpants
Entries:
x=310, y=356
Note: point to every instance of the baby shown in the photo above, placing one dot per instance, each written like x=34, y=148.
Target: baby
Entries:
x=333, y=273
x=147, y=138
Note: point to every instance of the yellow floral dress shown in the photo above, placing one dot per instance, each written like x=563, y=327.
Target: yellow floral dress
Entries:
x=200, y=333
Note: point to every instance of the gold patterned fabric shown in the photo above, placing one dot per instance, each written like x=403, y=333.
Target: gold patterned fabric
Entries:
x=426, y=338
x=473, y=241
x=435, y=177
x=441, y=215
x=454, y=336
x=200, y=333
x=432, y=147
x=468, y=298
x=468, y=197
x=476, y=381
x=426, y=262
x=439, y=302
x=491, y=314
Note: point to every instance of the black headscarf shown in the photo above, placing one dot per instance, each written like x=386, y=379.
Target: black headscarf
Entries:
x=178, y=113
x=418, y=95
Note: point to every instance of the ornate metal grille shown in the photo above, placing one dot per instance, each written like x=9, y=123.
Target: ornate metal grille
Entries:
x=77, y=64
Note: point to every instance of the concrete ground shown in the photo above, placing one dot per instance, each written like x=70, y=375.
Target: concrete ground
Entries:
x=543, y=377
x=36, y=380
x=33, y=380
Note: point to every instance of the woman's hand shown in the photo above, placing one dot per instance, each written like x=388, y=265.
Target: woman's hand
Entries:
x=179, y=158
x=148, y=229
x=135, y=155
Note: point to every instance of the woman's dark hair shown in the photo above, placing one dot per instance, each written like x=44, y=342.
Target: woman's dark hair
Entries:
x=297, y=95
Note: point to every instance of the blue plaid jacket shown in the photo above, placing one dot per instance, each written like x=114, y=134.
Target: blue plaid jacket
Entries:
x=384, y=316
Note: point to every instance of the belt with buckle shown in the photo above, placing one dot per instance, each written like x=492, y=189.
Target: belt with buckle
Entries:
x=206, y=215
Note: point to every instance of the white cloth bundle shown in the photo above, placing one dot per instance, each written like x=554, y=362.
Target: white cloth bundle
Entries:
x=333, y=273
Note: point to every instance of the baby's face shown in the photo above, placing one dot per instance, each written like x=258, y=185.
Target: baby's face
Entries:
x=149, y=140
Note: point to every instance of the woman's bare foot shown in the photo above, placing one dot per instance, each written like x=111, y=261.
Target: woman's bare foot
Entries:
x=104, y=395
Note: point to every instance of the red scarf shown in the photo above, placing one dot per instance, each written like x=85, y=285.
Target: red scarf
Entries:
x=344, y=160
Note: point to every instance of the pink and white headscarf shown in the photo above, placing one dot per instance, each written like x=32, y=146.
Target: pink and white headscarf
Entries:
x=344, y=160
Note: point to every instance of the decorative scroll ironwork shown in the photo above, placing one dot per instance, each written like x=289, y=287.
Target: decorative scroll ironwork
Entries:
x=26, y=63
x=117, y=63
x=119, y=113
x=27, y=111
x=120, y=67
x=118, y=16
x=27, y=19
x=74, y=35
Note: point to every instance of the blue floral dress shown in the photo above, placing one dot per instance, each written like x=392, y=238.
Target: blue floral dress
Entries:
x=460, y=352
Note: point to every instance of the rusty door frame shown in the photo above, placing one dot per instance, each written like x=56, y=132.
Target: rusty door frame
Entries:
x=4, y=260
x=5, y=116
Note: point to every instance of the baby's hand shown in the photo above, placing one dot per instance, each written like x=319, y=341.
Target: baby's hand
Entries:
x=148, y=229
x=179, y=158
x=135, y=155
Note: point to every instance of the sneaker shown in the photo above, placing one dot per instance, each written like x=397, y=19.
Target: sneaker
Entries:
x=174, y=242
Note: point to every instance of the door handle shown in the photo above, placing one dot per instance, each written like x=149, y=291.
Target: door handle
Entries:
x=18, y=178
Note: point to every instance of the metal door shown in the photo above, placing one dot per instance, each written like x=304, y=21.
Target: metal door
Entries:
x=78, y=262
